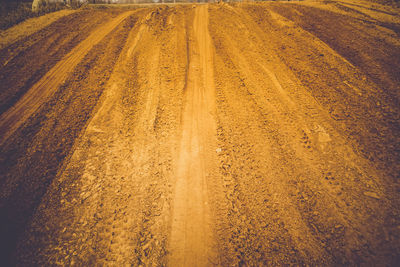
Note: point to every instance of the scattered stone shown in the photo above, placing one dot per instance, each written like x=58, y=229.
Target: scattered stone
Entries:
x=218, y=150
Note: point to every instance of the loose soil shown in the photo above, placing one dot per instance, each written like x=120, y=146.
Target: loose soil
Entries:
x=196, y=135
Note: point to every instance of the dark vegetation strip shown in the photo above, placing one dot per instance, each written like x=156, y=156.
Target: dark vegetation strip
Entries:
x=32, y=158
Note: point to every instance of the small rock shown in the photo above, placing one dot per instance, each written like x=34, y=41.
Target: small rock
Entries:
x=371, y=194
x=324, y=137
x=218, y=150
x=147, y=245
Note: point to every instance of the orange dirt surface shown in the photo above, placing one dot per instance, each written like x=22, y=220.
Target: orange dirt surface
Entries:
x=201, y=135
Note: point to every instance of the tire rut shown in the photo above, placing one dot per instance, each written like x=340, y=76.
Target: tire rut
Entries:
x=311, y=142
x=191, y=240
x=46, y=86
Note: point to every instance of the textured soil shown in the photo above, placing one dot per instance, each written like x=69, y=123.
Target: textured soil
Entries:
x=197, y=135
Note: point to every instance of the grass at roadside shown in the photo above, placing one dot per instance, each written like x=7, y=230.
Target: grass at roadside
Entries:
x=12, y=13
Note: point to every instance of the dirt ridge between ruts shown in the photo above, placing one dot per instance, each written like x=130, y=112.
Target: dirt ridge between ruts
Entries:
x=133, y=186
x=47, y=46
x=43, y=89
x=29, y=27
x=42, y=150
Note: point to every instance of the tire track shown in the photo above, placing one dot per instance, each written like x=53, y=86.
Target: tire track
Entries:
x=357, y=112
x=12, y=119
x=298, y=130
x=30, y=27
x=35, y=55
x=36, y=151
x=191, y=240
x=112, y=196
x=88, y=198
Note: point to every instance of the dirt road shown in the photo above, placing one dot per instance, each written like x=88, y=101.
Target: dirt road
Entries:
x=199, y=135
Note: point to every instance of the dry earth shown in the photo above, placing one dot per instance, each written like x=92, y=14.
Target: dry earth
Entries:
x=195, y=135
